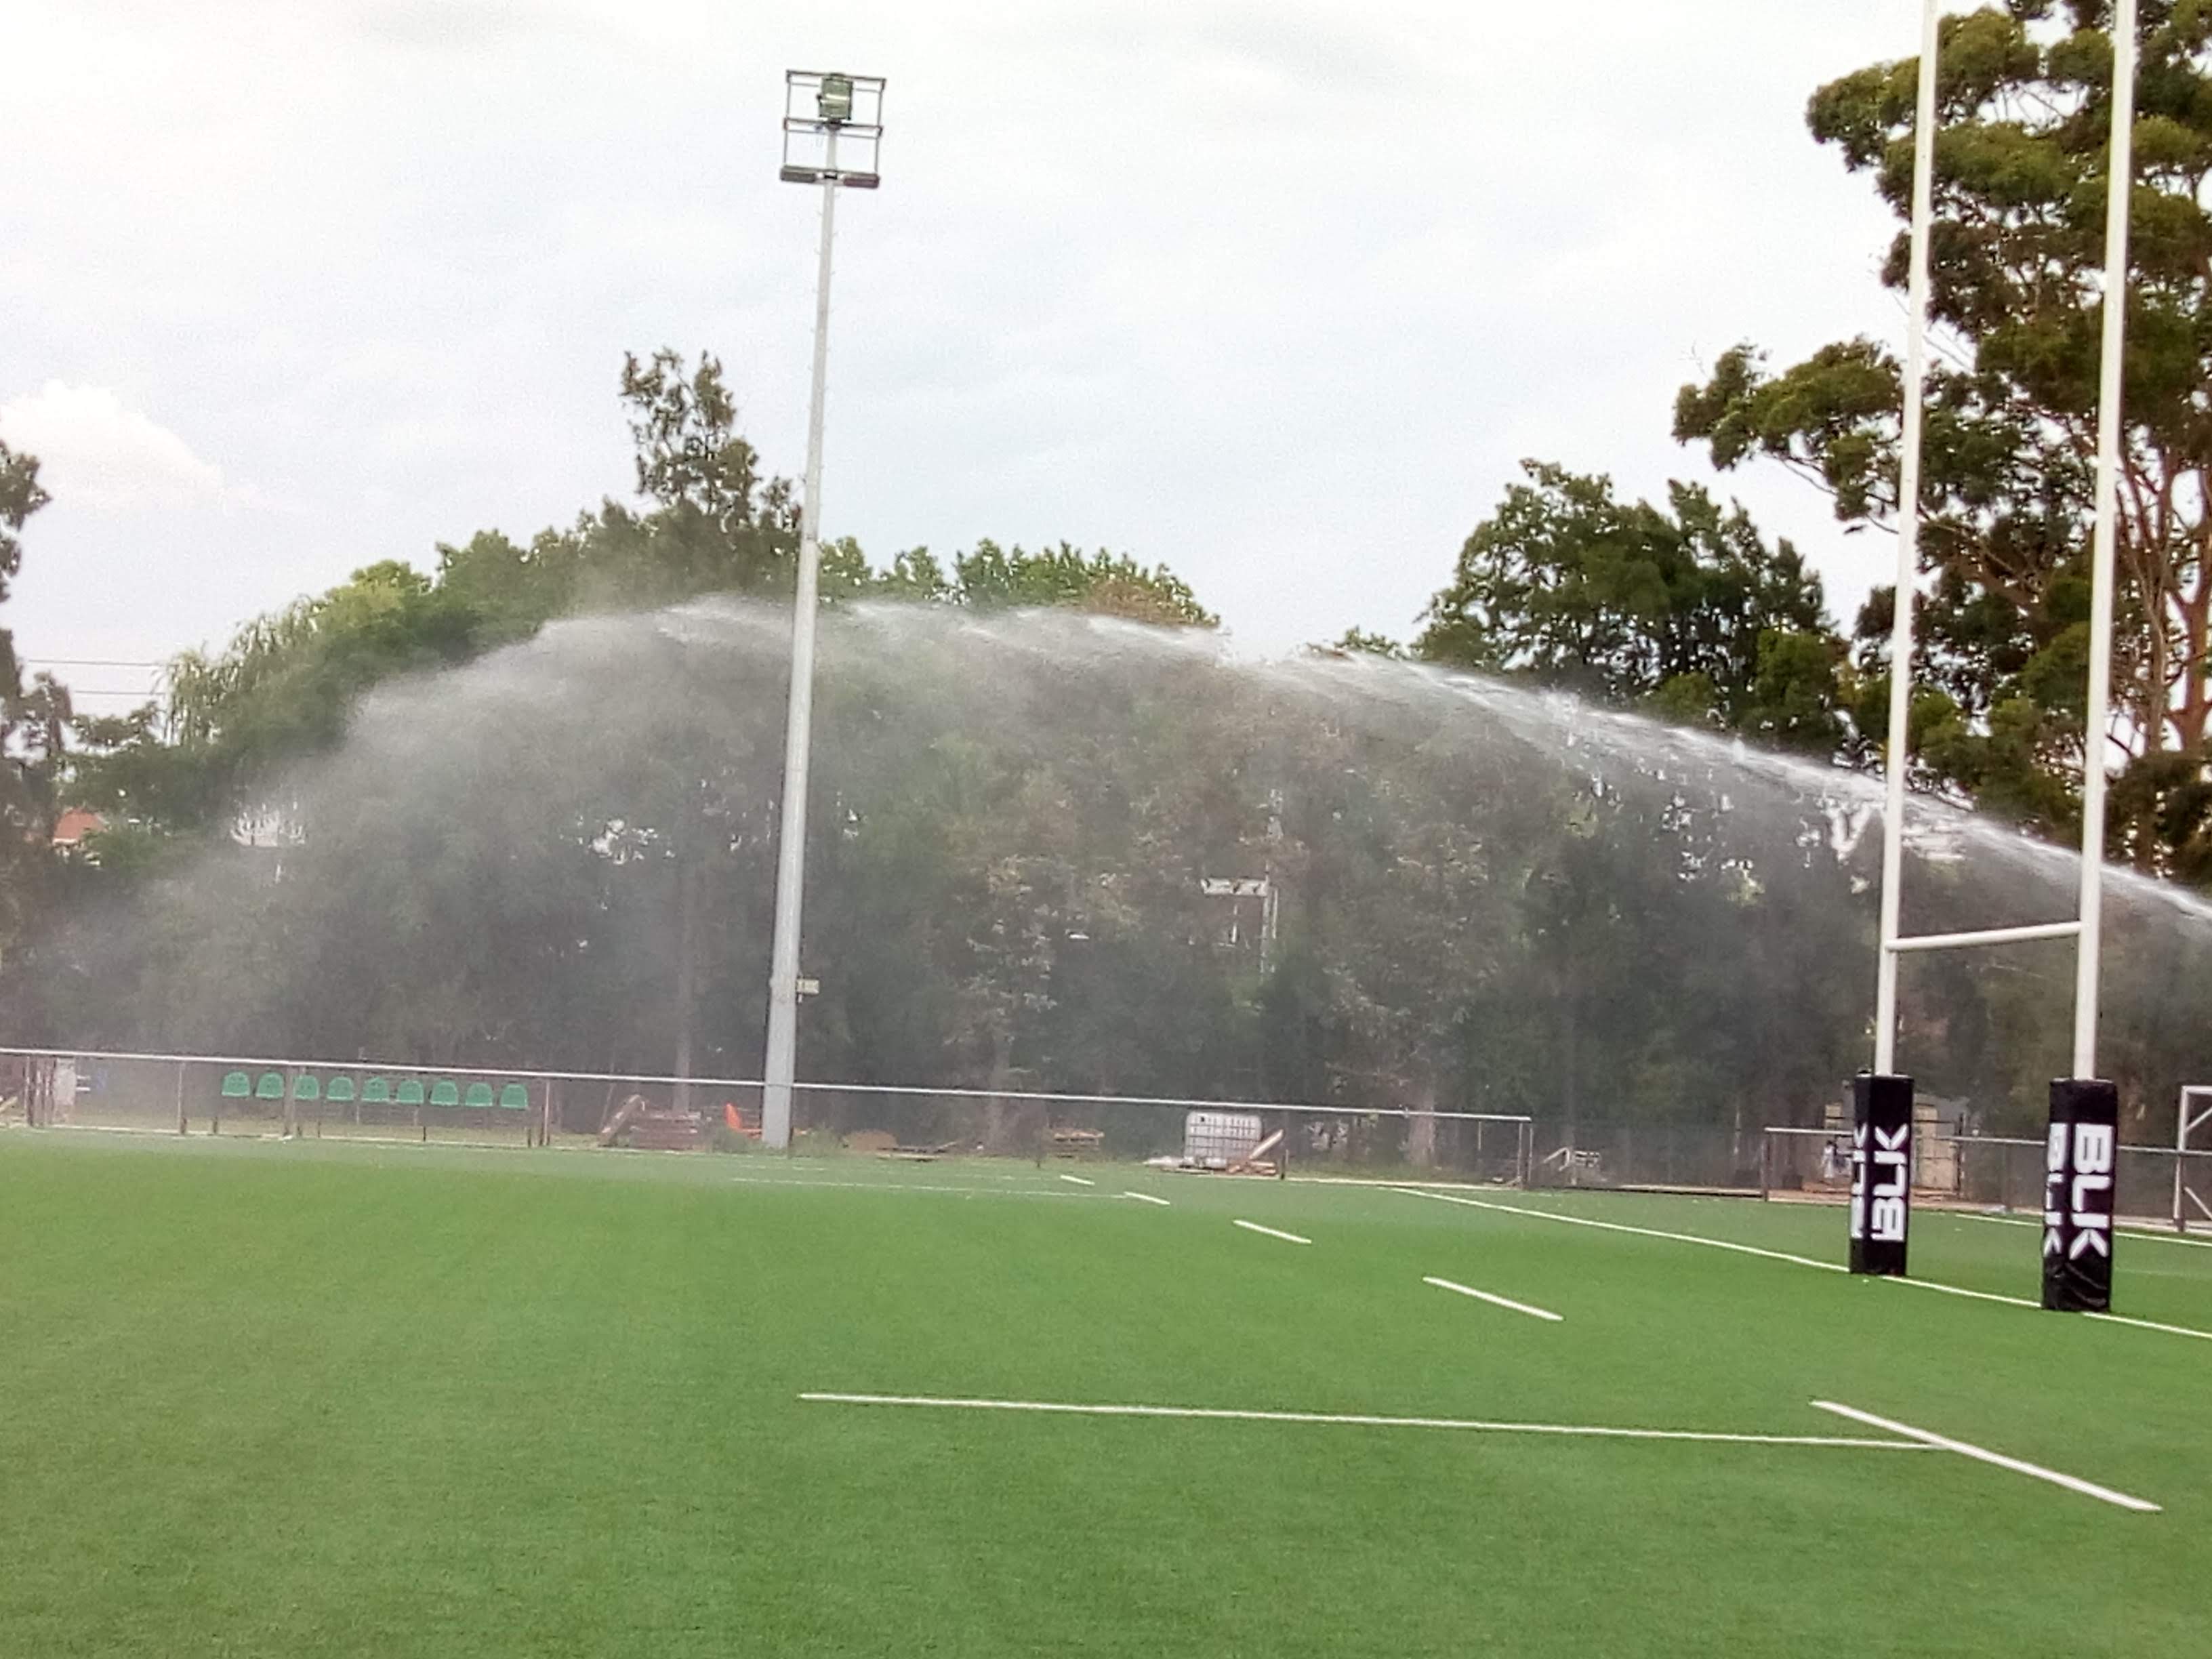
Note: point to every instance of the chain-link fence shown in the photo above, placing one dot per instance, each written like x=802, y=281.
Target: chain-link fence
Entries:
x=1980, y=1171
x=364, y=1100
x=1816, y=1165
x=1647, y=1158
x=1256, y=1137
x=329, y=1100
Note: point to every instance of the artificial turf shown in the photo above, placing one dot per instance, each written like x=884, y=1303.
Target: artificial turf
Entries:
x=261, y=1399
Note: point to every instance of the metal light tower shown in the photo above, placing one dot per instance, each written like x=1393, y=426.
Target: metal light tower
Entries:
x=832, y=129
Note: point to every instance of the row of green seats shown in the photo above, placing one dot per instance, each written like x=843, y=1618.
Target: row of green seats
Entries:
x=375, y=1090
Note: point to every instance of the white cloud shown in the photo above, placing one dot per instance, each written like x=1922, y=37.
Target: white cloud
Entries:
x=95, y=454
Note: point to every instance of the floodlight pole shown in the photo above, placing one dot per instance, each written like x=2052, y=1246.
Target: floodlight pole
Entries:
x=2119, y=189
x=798, y=728
x=1898, y=755
x=779, y=1062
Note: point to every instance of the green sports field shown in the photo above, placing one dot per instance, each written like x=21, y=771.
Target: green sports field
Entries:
x=261, y=1399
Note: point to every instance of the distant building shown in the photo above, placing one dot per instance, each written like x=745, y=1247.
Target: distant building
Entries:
x=74, y=825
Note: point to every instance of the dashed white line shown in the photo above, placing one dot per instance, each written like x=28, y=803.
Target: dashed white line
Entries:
x=1272, y=1232
x=1983, y=1454
x=1078, y=1181
x=1146, y=1198
x=1361, y=1420
x=1495, y=1300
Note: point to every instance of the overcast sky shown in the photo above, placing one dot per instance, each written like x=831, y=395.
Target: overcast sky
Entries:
x=1276, y=291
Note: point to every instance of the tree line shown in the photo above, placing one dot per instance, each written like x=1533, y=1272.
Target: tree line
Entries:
x=1015, y=895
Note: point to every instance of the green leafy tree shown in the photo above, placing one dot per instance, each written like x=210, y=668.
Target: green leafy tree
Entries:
x=690, y=452
x=287, y=683
x=1688, y=613
x=712, y=524
x=994, y=578
x=2017, y=254
x=33, y=721
x=1359, y=641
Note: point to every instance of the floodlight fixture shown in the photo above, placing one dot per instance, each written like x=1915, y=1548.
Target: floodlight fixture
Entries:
x=833, y=124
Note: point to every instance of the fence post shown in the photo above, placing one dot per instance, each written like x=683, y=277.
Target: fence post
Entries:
x=1765, y=1166
x=180, y=1097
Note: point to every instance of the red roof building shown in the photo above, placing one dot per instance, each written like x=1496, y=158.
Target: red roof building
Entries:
x=74, y=825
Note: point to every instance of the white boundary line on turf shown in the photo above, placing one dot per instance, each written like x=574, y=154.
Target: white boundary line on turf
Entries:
x=2150, y=1325
x=1495, y=1300
x=1800, y=1260
x=1272, y=1233
x=1146, y=1198
x=1360, y=1419
x=2028, y=1301
x=1078, y=1181
x=2149, y=1235
x=1620, y=1227
x=1983, y=1454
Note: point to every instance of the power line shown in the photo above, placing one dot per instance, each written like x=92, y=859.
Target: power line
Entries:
x=90, y=662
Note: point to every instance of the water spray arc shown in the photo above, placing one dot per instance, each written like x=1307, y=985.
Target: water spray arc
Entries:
x=821, y=112
x=2084, y=1109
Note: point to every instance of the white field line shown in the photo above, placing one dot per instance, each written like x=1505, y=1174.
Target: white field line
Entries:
x=897, y=1186
x=1272, y=1233
x=1495, y=1300
x=1961, y=1290
x=1982, y=1455
x=1620, y=1227
x=1800, y=1260
x=1078, y=1181
x=1146, y=1198
x=2150, y=1325
x=1359, y=1420
x=1382, y=1184
x=2148, y=1234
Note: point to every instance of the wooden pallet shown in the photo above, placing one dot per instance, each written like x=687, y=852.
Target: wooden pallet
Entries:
x=641, y=1126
